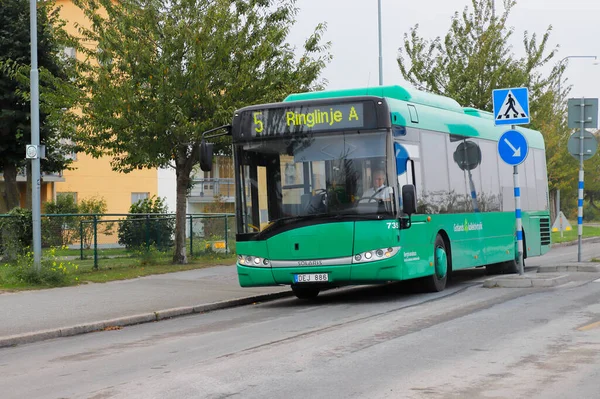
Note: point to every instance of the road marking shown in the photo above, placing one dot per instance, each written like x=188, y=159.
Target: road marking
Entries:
x=597, y=281
x=589, y=326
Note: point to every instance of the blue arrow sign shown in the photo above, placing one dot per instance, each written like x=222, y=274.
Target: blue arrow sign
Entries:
x=513, y=147
x=511, y=106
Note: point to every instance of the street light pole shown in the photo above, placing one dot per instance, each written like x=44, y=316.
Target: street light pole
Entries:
x=380, y=50
x=35, y=140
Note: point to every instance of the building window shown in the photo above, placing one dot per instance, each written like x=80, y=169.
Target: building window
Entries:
x=67, y=194
x=70, y=52
x=136, y=197
x=69, y=144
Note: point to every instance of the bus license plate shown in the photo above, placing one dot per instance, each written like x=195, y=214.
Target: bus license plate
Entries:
x=311, y=278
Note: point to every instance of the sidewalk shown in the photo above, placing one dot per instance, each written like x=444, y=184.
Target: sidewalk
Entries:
x=31, y=316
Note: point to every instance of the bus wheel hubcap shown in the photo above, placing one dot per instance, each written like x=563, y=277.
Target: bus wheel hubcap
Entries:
x=441, y=262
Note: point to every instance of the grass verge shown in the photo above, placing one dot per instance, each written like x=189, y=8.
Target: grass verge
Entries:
x=588, y=231
x=82, y=271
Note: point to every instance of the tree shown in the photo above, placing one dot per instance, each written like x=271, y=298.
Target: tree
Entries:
x=57, y=92
x=475, y=57
x=167, y=71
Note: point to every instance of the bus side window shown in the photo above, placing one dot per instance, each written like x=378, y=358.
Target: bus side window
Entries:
x=405, y=170
x=414, y=116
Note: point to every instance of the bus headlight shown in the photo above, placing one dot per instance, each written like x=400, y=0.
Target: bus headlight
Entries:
x=255, y=261
x=376, y=254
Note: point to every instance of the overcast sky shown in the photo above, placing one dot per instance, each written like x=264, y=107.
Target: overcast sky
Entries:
x=352, y=29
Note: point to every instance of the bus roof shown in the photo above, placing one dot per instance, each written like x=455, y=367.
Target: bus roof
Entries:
x=435, y=112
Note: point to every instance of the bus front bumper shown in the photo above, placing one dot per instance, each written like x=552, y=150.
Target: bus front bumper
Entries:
x=361, y=273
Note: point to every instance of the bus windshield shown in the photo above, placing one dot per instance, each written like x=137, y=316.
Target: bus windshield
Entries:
x=297, y=177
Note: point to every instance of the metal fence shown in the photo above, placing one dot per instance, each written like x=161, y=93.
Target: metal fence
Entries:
x=102, y=237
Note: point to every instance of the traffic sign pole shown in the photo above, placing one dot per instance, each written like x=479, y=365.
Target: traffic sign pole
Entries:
x=582, y=150
x=580, y=190
x=519, y=222
x=513, y=149
x=511, y=107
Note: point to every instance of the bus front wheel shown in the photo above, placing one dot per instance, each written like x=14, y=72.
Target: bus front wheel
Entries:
x=437, y=281
x=305, y=292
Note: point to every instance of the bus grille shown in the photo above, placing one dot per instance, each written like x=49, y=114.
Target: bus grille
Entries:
x=545, y=231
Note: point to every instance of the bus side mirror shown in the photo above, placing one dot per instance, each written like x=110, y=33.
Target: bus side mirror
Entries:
x=206, y=156
x=409, y=199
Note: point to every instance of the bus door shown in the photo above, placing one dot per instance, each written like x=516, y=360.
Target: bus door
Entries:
x=415, y=247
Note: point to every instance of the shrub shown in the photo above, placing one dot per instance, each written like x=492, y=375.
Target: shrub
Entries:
x=590, y=213
x=60, y=230
x=148, y=256
x=53, y=271
x=96, y=206
x=15, y=233
x=147, y=230
x=214, y=227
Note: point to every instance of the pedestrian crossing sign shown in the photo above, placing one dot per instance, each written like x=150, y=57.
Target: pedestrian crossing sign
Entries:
x=511, y=106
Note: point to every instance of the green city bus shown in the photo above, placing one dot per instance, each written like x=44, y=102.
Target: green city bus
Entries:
x=304, y=174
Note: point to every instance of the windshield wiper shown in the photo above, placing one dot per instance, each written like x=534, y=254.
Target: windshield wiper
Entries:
x=293, y=219
x=285, y=221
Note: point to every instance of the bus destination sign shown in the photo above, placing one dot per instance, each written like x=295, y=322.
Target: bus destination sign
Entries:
x=270, y=122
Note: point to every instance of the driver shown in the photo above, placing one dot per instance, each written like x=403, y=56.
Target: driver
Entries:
x=379, y=191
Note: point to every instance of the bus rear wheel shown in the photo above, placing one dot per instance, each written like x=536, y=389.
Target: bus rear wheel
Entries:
x=305, y=292
x=437, y=281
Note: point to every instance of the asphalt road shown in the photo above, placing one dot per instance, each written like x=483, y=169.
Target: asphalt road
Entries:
x=370, y=342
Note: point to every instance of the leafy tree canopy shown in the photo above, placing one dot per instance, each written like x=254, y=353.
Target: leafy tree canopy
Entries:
x=57, y=90
x=169, y=70
x=475, y=57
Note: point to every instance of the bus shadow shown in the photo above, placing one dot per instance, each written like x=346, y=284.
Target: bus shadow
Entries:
x=393, y=291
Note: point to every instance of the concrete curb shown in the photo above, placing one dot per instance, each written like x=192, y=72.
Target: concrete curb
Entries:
x=84, y=328
x=526, y=281
x=589, y=267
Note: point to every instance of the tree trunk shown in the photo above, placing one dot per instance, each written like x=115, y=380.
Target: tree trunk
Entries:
x=3, y=206
x=553, y=214
x=11, y=195
x=183, y=177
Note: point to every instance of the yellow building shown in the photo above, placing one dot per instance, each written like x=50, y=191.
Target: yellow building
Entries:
x=94, y=177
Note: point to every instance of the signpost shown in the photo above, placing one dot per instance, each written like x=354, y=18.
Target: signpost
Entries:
x=590, y=145
x=582, y=113
x=511, y=107
x=513, y=150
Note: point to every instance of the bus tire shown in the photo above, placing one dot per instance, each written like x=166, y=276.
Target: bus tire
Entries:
x=305, y=292
x=437, y=281
x=510, y=267
x=495, y=268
